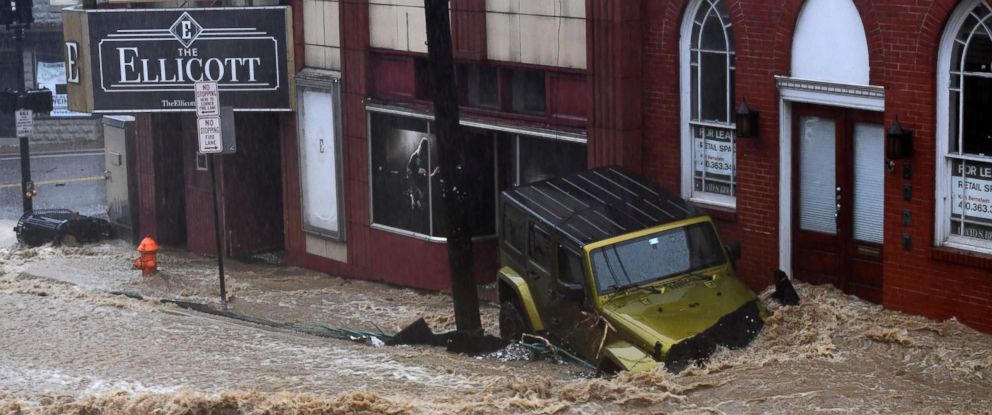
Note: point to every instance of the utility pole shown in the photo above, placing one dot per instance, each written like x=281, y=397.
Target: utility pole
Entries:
x=20, y=19
x=27, y=201
x=451, y=151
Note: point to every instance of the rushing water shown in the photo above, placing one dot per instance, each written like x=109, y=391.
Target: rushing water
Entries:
x=70, y=348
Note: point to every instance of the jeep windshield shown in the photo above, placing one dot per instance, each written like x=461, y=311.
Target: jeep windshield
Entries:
x=657, y=256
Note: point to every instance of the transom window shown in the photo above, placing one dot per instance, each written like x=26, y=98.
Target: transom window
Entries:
x=709, y=147
x=965, y=136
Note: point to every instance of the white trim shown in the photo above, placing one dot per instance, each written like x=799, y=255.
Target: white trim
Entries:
x=712, y=200
x=685, y=98
x=572, y=137
x=785, y=186
x=862, y=97
x=942, y=163
x=794, y=90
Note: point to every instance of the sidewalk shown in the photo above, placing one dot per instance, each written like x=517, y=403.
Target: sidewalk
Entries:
x=256, y=290
x=11, y=146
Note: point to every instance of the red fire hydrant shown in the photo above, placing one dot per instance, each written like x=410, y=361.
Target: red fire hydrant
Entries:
x=147, y=262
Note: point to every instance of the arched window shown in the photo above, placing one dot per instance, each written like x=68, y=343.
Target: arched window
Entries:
x=709, y=173
x=964, y=130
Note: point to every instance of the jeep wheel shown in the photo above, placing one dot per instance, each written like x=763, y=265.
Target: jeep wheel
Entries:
x=511, y=321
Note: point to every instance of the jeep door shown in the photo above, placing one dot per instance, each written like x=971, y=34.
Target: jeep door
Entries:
x=539, y=263
x=571, y=318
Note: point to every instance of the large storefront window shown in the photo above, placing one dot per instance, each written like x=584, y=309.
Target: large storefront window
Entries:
x=407, y=190
x=709, y=153
x=527, y=159
x=965, y=176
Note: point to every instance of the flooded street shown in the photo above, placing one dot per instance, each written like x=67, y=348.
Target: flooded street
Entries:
x=69, y=346
x=620, y=175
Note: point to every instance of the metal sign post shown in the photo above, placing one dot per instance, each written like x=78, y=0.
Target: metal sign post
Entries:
x=210, y=137
x=27, y=186
x=217, y=230
x=24, y=119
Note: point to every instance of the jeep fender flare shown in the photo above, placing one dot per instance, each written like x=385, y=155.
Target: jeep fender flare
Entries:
x=627, y=357
x=510, y=278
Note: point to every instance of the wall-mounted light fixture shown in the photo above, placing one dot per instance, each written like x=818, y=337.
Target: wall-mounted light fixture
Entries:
x=747, y=121
x=899, y=142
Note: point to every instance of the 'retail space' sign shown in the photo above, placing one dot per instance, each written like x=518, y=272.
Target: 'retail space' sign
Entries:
x=148, y=60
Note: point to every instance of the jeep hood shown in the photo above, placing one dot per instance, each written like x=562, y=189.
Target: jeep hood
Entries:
x=685, y=307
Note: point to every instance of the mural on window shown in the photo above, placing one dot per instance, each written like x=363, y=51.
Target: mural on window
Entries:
x=407, y=190
x=711, y=121
x=969, y=153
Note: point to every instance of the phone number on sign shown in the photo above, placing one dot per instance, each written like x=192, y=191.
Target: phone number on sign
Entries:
x=975, y=207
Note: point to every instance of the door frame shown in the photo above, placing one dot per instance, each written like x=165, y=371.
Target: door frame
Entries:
x=846, y=121
x=796, y=91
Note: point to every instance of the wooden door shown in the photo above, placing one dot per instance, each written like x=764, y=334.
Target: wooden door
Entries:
x=838, y=201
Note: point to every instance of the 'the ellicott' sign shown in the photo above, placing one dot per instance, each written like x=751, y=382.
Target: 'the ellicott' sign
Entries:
x=145, y=60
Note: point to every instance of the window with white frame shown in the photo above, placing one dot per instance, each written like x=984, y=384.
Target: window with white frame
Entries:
x=709, y=152
x=964, y=130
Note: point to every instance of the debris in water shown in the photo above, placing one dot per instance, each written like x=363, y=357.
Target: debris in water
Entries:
x=375, y=342
x=42, y=226
x=784, y=291
x=419, y=332
x=513, y=352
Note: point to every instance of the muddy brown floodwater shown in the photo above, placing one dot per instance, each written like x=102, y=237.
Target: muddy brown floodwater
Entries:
x=71, y=348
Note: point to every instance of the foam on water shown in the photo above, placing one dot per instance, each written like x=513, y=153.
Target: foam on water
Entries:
x=832, y=353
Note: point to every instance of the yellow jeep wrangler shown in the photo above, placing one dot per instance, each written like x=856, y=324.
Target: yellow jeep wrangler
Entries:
x=620, y=272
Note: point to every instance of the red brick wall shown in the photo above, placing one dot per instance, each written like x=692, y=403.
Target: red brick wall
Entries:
x=354, y=58
x=614, y=60
x=902, y=41
x=633, y=79
x=468, y=29
x=372, y=254
x=925, y=280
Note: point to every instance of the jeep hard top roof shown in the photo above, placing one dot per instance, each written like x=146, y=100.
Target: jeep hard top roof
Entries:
x=598, y=204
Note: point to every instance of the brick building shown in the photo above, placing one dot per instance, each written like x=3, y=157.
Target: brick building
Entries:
x=551, y=86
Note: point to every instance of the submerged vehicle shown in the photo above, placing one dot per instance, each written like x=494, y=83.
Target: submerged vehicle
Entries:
x=619, y=271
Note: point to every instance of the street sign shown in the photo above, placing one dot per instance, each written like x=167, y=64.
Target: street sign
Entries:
x=25, y=123
x=208, y=125
x=210, y=136
x=207, y=99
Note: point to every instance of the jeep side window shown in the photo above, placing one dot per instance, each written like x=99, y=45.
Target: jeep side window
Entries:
x=570, y=267
x=513, y=231
x=539, y=247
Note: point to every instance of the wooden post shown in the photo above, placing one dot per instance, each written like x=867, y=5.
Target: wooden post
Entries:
x=451, y=152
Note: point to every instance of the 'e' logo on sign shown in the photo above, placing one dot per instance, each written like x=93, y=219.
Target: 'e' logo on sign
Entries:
x=186, y=29
x=187, y=33
x=72, y=62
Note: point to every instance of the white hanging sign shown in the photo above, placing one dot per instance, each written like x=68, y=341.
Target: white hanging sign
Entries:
x=25, y=123
x=209, y=134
